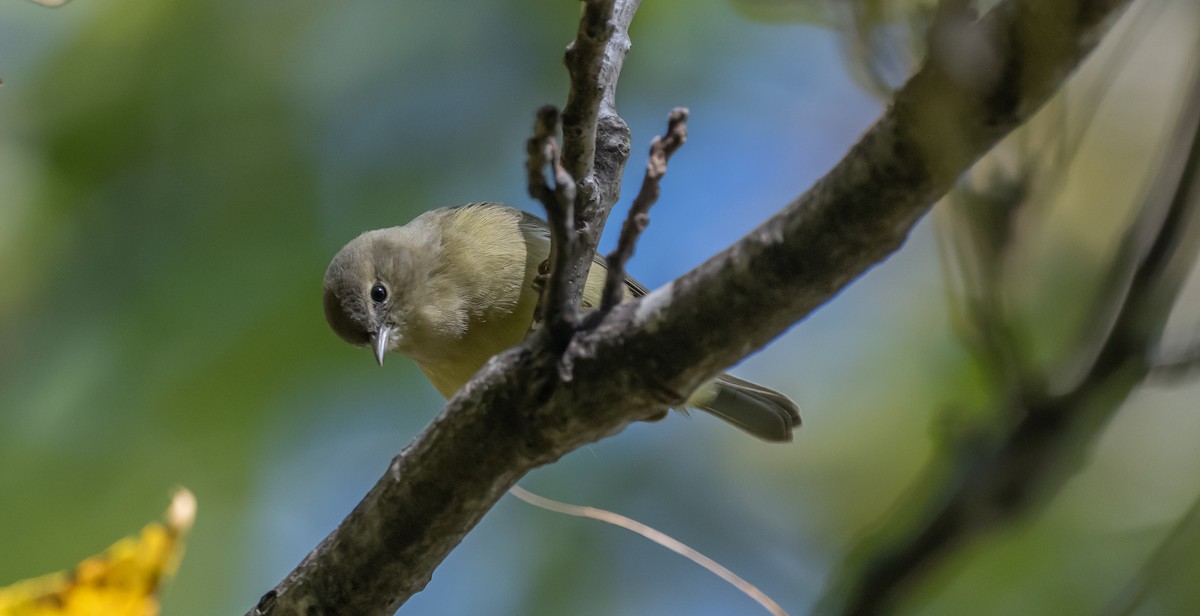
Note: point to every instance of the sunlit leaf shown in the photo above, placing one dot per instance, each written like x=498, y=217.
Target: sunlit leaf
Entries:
x=124, y=580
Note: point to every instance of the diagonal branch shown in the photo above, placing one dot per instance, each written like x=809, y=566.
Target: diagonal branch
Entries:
x=517, y=414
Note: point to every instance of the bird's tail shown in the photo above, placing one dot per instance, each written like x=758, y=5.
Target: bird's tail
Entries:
x=759, y=411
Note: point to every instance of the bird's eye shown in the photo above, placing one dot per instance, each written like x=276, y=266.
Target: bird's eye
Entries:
x=378, y=293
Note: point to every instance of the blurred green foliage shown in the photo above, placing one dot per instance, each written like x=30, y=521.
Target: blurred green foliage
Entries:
x=177, y=175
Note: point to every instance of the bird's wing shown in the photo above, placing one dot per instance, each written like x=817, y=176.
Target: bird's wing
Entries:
x=635, y=288
x=542, y=228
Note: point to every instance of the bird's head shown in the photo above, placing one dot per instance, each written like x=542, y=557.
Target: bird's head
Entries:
x=372, y=287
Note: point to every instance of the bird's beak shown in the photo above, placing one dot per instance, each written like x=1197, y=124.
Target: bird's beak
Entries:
x=381, y=343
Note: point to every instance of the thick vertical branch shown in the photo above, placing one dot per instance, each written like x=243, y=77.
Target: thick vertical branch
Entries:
x=594, y=61
x=595, y=149
x=595, y=139
x=584, y=59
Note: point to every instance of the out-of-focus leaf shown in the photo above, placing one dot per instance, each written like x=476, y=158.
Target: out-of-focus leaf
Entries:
x=785, y=11
x=124, y=580
x=882, y=40
x=829, y=13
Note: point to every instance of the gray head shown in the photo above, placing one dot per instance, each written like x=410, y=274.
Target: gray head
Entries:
x=370, y=285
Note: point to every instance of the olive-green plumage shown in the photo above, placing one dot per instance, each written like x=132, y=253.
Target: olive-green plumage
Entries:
x=455, y=286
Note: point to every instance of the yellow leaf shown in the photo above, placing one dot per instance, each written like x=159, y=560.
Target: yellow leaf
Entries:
x=122, y=581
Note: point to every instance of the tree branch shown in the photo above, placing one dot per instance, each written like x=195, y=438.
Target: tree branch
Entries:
x=517, y=413
x=595, y=139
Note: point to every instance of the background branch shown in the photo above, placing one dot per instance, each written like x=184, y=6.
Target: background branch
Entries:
x=990, y=478
x=1178, y=545
x=517, y=413
x=1179, y=366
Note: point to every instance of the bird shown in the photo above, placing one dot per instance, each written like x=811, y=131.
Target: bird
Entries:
x=457, y=285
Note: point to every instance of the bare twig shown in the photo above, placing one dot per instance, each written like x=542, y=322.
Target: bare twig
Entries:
x=516, y=415
x=661, y=150
x=542, y=150
x=559, y=201
x=657, y=536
